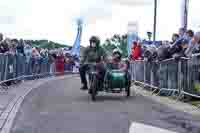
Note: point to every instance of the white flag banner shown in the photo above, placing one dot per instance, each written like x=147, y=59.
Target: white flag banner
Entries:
x=132, y=35
x=133, y=27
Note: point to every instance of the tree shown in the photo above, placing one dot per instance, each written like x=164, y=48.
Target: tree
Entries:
x=117, y=41
x=46, y=44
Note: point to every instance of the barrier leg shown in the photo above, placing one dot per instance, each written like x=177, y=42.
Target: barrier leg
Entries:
x=144, y=74
x=160, y=86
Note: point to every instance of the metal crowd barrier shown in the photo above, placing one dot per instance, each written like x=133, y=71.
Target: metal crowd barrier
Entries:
x=160, y=76
x=191, y=78
x=170, y=76
x=17, y=67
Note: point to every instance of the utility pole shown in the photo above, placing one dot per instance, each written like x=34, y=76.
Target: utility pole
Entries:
x=155, y=20
x=184, y=10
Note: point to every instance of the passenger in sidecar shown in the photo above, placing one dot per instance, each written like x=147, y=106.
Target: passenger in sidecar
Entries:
x=116, y=62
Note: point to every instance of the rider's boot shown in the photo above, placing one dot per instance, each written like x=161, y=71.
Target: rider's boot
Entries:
x=90, y=91
x=84, y=87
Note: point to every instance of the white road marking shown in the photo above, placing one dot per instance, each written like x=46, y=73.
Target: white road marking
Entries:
x=141, y=128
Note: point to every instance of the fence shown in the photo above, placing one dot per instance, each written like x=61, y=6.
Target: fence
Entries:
x=18, y=67
x=170, y=76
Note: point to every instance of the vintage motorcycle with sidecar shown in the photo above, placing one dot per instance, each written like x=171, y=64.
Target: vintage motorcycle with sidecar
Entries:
x=114, y=81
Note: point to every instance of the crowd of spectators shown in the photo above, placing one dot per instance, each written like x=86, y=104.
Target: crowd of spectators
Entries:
x=183, y=44
x=59, y=59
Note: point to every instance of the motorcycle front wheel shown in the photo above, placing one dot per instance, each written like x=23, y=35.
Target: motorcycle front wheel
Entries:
x=93, y=87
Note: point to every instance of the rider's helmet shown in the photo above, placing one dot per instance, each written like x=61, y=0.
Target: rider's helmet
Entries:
x=95, y=39
x=117, y=52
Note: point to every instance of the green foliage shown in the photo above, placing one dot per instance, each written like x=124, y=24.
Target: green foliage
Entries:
x=197, y=87
x=46, y=44
x=117, y=41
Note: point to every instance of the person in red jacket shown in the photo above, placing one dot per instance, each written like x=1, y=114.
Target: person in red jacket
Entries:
x=136, y=51
x=60, y=61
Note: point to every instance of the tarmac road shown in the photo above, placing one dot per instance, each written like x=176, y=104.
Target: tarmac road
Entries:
x=61, y=107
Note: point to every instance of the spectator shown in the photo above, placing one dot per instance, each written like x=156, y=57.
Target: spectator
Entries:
x=60, y=61
x=177, y=49
x=38, y=49
x=136, y=51
x=52, y=59
x=67, y=63
x=182, y=48
x=12, y=44
x=175, y=37
x=35, y=61
x=150, y=53
x=1, y=41
x=180, y=39
x=4, y=45
x=20, y=47
x=28, y=52
x=144, y=49
x=184, y=37
x=194, y=45
x=189, y=35
x=178, y=42
x=9, y=45
x=163, y=51
x=76, y=64
x=133, y=49
x=44, y=56
x=35, y=53
x=182, y=32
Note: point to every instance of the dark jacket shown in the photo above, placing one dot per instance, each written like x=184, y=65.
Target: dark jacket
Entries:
x=175, y=49
x=164, y=52
x=92, y=55
x=20, y=49
x=4, y=47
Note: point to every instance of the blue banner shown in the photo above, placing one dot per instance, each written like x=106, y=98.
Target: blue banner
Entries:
x=77, y=44
x=156, y=43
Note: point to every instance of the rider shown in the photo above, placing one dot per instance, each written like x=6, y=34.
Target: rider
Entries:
x=92, y=54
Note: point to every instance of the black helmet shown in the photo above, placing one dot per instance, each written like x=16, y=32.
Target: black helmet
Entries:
x=95, y=39
x=117, y=51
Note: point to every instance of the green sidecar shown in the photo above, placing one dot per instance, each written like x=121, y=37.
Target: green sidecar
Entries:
x=115, y=81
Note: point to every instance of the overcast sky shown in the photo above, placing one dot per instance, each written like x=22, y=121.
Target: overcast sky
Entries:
x=56, y=19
